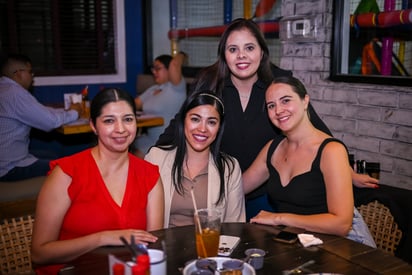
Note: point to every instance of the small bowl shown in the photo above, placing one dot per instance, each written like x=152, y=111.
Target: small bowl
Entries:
x=255, y=257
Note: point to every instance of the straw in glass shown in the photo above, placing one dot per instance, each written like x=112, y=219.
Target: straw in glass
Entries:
x=198, y=222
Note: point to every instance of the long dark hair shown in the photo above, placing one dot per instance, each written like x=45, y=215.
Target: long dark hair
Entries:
x=213, y=77
x=220, y=159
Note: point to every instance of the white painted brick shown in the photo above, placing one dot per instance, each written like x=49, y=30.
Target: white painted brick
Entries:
x=336, y=124
x=378, y=98
x=362, y=112
x=347, y=96
x=318, y=77
x=309, y=7
x=364, y=143
x=405, y=100
x=288, y=50
x=286, y=63
x=403, y=133
x=395, y=180
x=308, y=64
x=350, y=139
x=288, y=8
x=329, y=108
x=403, y=167
x=369, y=144
x=320, y=50
x=303, y=76
x=376, y=129
x=397, y=116
x=396, y=149
x=328, y=4
x=315, y=93
x=301, y=50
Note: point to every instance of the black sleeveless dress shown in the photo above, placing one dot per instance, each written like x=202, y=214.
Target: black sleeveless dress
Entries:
x=305, y=193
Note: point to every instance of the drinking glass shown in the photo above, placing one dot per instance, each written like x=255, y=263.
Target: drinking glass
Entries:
x=207, y=226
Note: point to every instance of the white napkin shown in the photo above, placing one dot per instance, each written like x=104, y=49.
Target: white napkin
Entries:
x=308, y=240
x=76, y=98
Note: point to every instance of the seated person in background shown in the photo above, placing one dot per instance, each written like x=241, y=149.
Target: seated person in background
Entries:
x=19, y=113
x=309, y=179
x=193, y=161
x=92, y=198
x=162, y=99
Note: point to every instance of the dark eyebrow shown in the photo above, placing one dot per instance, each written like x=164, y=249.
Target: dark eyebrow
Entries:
x=286, y=96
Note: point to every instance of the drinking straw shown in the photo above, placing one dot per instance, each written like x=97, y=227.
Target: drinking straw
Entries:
x=198, y=222
x=196, y=212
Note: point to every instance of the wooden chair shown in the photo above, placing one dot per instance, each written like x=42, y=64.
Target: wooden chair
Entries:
x=382, y=225
x=15, y=243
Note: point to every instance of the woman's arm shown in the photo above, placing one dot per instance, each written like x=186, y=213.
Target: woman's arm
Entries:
x=52, y=205
x=155, y=207
x=359, y=180
x=257, y=173
x=337, y=176
x=175, y=68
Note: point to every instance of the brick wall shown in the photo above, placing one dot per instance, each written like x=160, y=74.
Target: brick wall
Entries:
x=374, y=121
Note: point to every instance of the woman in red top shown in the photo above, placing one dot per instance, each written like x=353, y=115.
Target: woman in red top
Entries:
x=92, y=198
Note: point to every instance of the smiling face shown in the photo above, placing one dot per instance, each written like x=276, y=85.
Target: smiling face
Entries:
x=243, y=54
x=285, y=108
x=201, y=126
x=116, y=126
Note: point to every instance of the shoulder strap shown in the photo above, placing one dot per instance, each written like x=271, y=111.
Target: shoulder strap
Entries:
x=273, y=146
x=326, y=141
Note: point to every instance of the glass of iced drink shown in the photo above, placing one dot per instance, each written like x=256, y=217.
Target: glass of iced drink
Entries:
x=207, y=226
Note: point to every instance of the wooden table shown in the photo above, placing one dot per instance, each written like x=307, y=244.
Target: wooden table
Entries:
x=81, y=126
x=335, y=255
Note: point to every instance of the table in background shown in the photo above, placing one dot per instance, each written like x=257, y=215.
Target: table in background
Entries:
x=336, y=255
x=81, y=126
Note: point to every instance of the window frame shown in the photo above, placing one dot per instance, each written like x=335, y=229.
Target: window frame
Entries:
x=119, y=76
x=340, y=46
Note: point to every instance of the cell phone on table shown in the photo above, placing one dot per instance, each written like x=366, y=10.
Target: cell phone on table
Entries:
x=227, y=244
x=286, y=237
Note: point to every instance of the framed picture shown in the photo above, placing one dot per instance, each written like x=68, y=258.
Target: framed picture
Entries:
x=372, y=42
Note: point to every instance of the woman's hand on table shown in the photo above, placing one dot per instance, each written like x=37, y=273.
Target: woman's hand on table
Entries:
x=364, y=181
x=113, y=237
x=265, y=217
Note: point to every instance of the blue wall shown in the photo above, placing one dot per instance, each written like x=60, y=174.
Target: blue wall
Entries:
x=134, y=60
